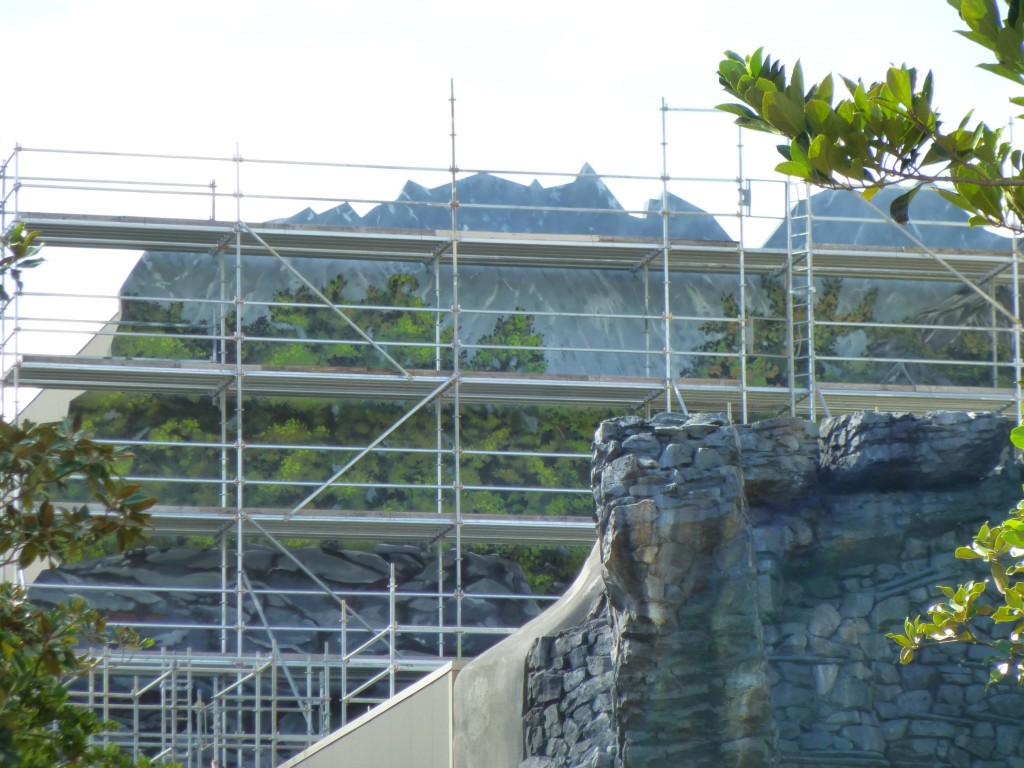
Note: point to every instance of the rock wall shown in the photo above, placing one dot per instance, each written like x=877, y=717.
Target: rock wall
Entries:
x=173, y=594
x=751, y=573
x=569, y=692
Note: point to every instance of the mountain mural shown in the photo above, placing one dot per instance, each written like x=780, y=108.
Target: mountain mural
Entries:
x=489, y=203
x=844, y=218
x=576, y=311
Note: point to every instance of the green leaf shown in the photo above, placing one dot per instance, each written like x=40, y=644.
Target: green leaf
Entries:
x=965, y=553
x=780, y=110
x=899, y=82
x=1017, y=437
x=869, y=192
x=999, y=576
x=1013, y=538
x=818, y=154
x=900, y=207
x=793, y=168
x=820, y=116
x=1005, y=613
x=1014, y=600
x=824, y=90
x=739, y=110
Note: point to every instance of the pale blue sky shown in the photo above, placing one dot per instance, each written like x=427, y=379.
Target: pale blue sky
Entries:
x=539, y=84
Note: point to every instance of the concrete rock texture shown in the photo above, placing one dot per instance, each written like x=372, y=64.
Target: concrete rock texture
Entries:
x=751, y=573
x=174, y=596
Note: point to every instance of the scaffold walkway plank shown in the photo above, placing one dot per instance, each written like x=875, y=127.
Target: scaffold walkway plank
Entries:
x=501, y=249
x=203, y=378
x=192, y=377
x=378, y=526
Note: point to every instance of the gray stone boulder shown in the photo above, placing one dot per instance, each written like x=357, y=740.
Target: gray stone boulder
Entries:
x=895, y=451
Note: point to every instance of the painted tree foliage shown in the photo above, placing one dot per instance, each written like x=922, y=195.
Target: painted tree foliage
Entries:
x=767, y=355
x=296, y=443
x=885, y=133
x=41, y=650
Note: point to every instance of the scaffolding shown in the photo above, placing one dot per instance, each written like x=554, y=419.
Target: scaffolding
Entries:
x=189, y=706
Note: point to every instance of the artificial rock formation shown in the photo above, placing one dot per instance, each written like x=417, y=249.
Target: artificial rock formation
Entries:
x=750, y=575
x=690, y=681
x=174, y=595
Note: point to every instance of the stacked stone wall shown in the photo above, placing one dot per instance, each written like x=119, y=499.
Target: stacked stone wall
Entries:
x=752, y=573
x=569, y=717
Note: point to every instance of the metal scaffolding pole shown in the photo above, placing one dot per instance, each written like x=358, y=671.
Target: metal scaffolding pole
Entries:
x=239, y=441
x=745, y=331
x=667, y=306
x=456, y=376
x=439, y=456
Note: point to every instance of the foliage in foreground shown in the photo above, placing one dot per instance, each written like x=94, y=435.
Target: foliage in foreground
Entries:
x=41, y=651
x=888, y=132
x=968, y=614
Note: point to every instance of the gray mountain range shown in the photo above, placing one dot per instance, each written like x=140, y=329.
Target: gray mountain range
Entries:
x=574, y=308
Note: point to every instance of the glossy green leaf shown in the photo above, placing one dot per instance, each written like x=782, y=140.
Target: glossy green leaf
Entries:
x=899, y=209
x=966, y=553
x=792, y=168
x=783, y=113
x=899, y=81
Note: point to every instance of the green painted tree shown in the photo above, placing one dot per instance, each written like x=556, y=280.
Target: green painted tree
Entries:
x=42, y=466
x=295, y=443
x=887, y=133
x=766, y=359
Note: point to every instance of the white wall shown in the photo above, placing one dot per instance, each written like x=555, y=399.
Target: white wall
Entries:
x=413, y=729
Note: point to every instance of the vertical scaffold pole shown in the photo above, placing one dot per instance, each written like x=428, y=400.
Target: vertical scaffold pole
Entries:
x=666, y=314
x=325, y=695
x=392, y=632
x=744, y=331
x=106, y=694
x=456, y=404
x=239, y=444
x=189, y=689
x=790, y=330
x=344, y=663
x=647, y=318
x=222, y=398
x=275, y=658
x=257, y=709
x=135, y=718
x=812, y=386
x=439, y=447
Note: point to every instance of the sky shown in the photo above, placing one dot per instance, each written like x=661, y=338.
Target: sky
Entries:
x=539, y=86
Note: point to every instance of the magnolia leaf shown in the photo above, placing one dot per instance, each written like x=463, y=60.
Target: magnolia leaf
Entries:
x=793, y=168
x=869, y=192
x=781, y=112
x=1017, y=438
x=898, y=80
x=739, y=110
x=965, y=553
x=1005, y=613
x=999, y=577
x=899, y=209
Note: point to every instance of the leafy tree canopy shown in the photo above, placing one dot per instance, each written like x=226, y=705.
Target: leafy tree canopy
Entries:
x=888, y=132
x=41, y=651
